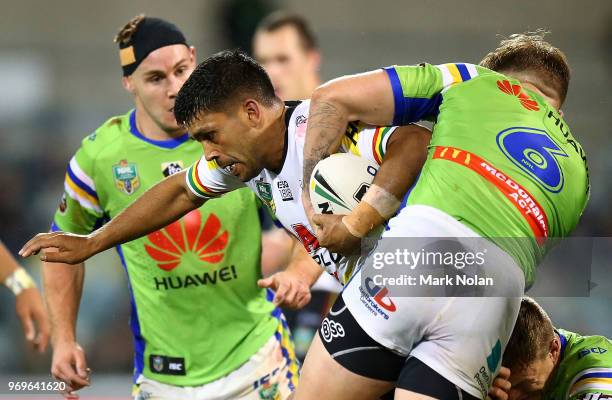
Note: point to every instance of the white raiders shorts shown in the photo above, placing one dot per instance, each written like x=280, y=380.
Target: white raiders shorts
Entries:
x=461, y=338
x=270, y=374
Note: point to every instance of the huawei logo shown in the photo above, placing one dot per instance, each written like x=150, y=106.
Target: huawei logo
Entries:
x=207, y=243
x=516, y=90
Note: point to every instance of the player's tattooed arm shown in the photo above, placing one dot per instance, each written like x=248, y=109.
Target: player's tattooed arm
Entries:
x=365, y=97
x=162, y=204
x=327, y=124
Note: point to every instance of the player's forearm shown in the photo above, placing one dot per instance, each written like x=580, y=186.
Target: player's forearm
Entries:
x=365, y=97
x=63, y=284
x=405, y=156
x=303, y=264
x=8, y=264
x=12, y=275
x=157, y=207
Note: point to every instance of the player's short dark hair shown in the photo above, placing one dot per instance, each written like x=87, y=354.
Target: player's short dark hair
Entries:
x=529, y=52
x=531, y=337
x=281, y=19
x=220, y=81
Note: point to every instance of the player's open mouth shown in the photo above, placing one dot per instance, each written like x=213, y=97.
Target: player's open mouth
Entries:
x=231, y=169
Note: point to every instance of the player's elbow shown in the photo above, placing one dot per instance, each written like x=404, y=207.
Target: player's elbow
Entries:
x=328, y=98
x=323, y=93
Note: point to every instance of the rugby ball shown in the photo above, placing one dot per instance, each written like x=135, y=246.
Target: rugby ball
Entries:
x=339, y=182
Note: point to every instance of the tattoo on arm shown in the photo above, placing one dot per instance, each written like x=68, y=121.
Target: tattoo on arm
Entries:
x=326, y=125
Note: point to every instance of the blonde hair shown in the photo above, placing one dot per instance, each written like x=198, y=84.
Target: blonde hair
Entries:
x=125, y=34
x=530, y=52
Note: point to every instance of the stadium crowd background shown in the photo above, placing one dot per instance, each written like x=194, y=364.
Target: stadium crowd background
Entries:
x=60, y=78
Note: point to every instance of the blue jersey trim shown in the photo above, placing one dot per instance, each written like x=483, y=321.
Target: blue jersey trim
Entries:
x=398, y=94
x=595, y=375
x=54, y=227
x=277, y=313
x=563, y=343
x=80, y=183
x=139, y=342
x=269, y=294
x=417, y=109
x=166, y=144
x=463, y=71
x=411, y=109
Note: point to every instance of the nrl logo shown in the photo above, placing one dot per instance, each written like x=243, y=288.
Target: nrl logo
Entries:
x=158, y=363
x=264, y=189
x=126, y=177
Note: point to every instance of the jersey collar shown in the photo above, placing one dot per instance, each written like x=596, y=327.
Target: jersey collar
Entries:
x=166, y=144
x=290, y=108
x=563, y=340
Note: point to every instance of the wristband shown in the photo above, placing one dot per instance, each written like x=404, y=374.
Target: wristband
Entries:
x=19, y=281
x=384, y=202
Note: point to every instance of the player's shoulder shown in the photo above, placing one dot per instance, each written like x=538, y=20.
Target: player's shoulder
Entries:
x=460, y=72
x=105, y=135
x=593, y=349
x=587, y=360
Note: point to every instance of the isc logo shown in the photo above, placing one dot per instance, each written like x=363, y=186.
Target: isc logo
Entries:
x=331, y=329
x=592, y=350
x=175, y=366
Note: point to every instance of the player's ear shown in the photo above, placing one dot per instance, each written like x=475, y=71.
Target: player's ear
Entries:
x=126, y=81
x=192, y=52
x=252, y=112
x=555, y=347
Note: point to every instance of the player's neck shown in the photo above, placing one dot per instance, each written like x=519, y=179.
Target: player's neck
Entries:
x=151, y=130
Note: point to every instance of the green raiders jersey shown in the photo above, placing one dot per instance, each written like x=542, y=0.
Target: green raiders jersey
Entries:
x=585, y=369
x=197, y=313
x=501, y=160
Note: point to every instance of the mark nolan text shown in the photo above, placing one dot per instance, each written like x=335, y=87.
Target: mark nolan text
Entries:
x=431, y=280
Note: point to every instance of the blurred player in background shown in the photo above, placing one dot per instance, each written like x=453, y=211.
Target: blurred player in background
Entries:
x=285, y=45
x=549, y=363
x=201, y=326
x=502, y=165
x=28, y=304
